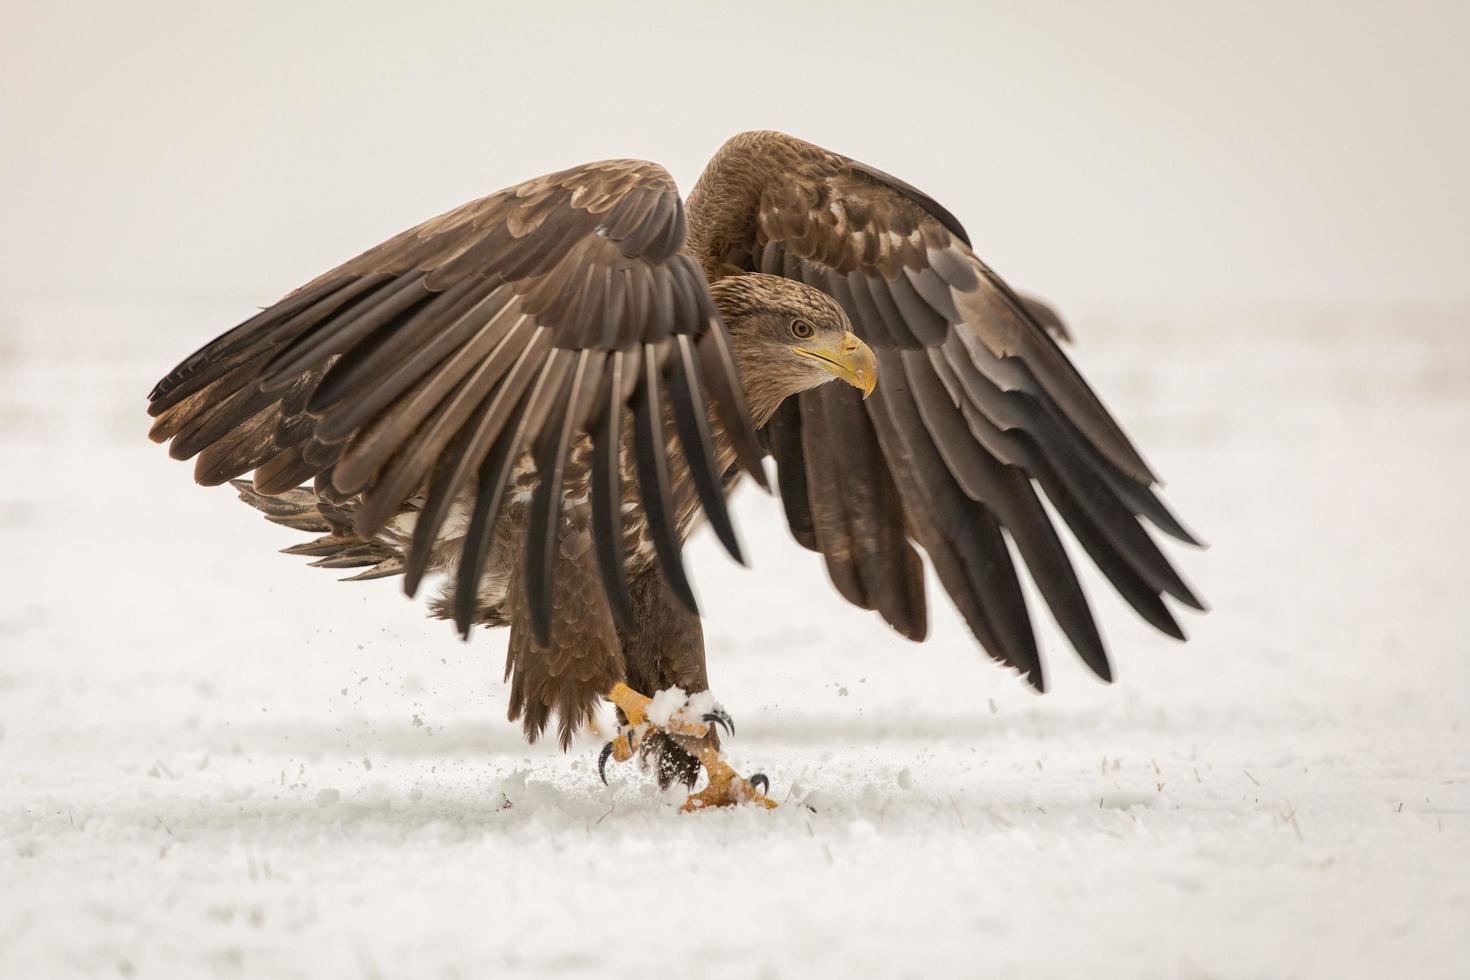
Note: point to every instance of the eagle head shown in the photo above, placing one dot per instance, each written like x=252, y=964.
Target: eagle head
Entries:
x=788, y=337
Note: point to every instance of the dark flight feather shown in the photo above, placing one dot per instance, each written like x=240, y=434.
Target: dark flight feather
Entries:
x=546, y=500
x=495, y=475
x=834, y=532
x=723, y=381
x=649, y=448
x=783, y=433
x=606, y=492
x=687, y=399
x=223, y=353
x=890, y=569
x=960, y=536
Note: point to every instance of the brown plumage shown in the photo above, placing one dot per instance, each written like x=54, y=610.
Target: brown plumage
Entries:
x=536, y=394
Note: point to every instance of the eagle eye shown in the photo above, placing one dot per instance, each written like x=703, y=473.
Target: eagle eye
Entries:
x=802, y=329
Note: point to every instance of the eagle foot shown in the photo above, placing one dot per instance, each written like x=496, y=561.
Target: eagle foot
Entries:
x=693, y=717
x=620, y=749
x=726, y=786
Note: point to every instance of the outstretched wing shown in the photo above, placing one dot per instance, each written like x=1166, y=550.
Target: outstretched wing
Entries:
x=976, y=409
x=431, y=363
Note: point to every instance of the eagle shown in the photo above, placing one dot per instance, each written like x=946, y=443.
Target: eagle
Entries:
x=535, y=398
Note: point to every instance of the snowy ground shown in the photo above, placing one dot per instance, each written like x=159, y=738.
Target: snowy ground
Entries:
x=216, y=761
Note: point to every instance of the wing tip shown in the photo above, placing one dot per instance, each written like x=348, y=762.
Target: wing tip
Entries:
x=1186, y=595
x=757, y=471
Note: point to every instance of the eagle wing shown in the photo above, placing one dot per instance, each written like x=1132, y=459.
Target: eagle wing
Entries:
x=976, y=410
x=510, y=325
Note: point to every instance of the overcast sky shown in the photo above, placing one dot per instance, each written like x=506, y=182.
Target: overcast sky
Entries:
x=1112, y=156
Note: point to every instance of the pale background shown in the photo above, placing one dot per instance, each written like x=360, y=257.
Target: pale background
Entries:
x=1125, y=154
x=215, y=761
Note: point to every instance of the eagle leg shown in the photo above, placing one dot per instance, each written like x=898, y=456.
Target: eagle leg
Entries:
x=691, y=721
x=687, y=719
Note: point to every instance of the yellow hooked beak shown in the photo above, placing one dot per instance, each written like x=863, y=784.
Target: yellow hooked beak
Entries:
x=850, y=359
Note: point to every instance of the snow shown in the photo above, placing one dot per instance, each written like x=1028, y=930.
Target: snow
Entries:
x=701, y=703
x=664, y=704
x=188, y=717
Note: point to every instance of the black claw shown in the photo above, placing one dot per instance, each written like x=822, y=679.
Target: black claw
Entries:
x=602, y=762
x=719, y=717
x=759, y=779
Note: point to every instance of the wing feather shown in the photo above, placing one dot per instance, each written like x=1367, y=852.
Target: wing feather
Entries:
x=784, y=436
x=607, y=488
x=546, y=500
x=890, y=569
x=537, y=404
x=977, y=415
x=688, y=398
x=650, y=448
x=435, y=366
x=835, y=536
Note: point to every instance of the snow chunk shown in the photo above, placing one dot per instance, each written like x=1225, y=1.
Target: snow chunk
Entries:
x=513, y=788
x=665, y=703
x=905, y=778
x=327, y=797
